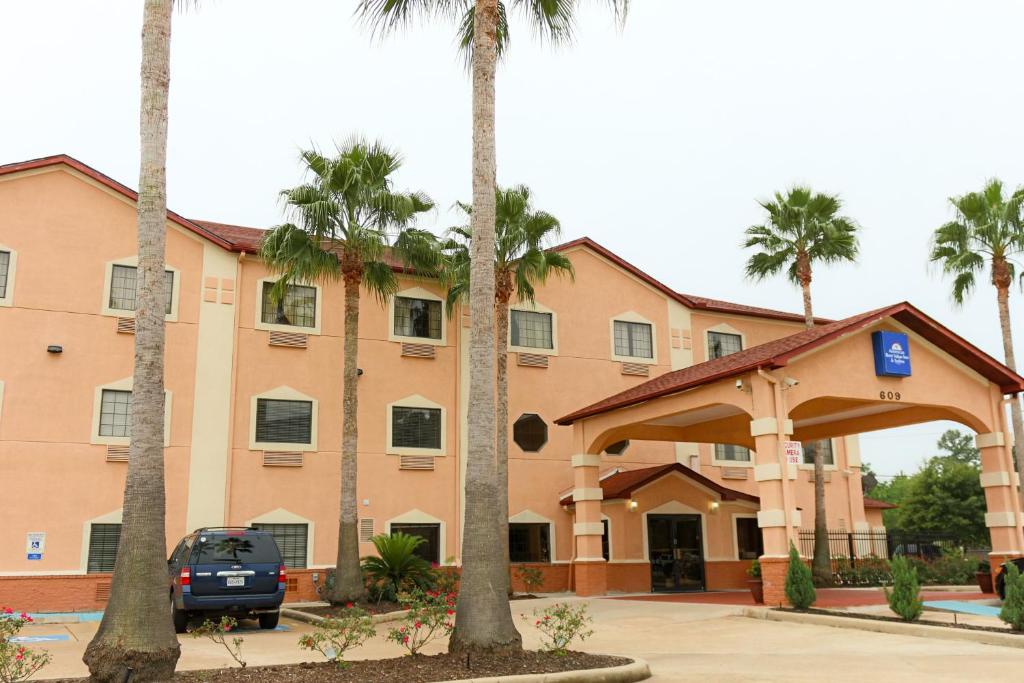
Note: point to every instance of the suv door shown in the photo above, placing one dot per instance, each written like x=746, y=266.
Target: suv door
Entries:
x=235, y=563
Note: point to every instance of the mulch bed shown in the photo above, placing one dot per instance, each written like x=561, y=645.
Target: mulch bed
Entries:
x=383, y=607
x=418, y=669
x=882, y=617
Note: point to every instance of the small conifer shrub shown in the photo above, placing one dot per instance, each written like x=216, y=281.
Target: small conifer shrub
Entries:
x=799, y=584
x=905, y=596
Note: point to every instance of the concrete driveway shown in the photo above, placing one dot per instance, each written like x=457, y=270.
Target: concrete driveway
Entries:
x=682, y=642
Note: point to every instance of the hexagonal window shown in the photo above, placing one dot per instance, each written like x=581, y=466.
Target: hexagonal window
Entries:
x=617, y=448
x=530, y=432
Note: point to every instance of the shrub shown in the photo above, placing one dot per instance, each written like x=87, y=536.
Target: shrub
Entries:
x=17, y=663
x=799, y=584
x=334, y=636
x=985, y=566
x=754, y=571
x=560, y=624
x=396, y=568
x=953, y=568
x=904, y=598
x=532, y=578
x=217, y=632
x=431, y=615
x=445, y=579
x=1013, y=605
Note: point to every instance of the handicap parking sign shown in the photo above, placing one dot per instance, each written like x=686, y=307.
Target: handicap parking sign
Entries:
x=35, y=545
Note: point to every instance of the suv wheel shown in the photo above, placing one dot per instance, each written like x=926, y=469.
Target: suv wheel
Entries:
x=268, y=620
x=179, y=617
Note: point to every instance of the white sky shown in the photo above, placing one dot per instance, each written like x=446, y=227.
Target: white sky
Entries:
x=655, y=141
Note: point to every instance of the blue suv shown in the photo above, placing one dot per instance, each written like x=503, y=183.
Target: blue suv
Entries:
x=234, y=571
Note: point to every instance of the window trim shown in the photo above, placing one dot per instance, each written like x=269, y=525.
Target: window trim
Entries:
x=732, y=463
x=417, y=293
x=736, y=532
x=133, y=261
x=12, y=269
x=283, y=516
x=415, y=401
x=827, y=467
x=283, y=393
x=527, y=307
x=302, y=329
x=417, y=516
x=531, y=517
x=722, y=328
x=126, y=384
x=633, y=317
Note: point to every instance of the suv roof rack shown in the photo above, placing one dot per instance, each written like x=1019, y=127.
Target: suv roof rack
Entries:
x=225, y=528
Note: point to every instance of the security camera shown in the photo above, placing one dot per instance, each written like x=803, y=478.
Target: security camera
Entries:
x=739, y=384
x=790, y=382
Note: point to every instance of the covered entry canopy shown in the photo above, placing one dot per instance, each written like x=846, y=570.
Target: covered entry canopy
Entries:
x=818, y=383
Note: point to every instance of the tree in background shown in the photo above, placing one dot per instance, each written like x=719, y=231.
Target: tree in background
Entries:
x=136, y=637
x=804, y=228
x=348, y=216
x=521, y=261
x=988, y=229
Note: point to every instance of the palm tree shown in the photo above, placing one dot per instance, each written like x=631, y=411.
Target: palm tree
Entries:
x=347, y=216
x=483, y=615
x=136, y=634
x=520, y=262
x=804, y=228
x=988, y=227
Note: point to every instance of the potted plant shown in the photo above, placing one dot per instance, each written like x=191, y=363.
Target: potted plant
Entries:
x=984, y=577
x=755, y=583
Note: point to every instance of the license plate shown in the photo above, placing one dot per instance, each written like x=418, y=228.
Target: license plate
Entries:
x=236, y=581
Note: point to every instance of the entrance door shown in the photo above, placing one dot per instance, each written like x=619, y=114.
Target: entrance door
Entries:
x=676, y=552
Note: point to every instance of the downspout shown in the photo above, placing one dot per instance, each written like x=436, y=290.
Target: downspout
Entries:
x=233, y=399
x=780, y=437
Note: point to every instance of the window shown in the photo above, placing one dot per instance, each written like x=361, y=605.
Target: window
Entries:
x=430, y=549
x=617, y=448
x=531, y=329
x=116, y=413
x=416, y=427
x=5, y=266
x=103, y=542
x=528, y=542
x=417, y=317
x=124, y=288
x=291, y=540
x=825, y=445
x=722, y=344
x=281, y=421
x=731, y=453
x=530, y=432
x=633, y=339
x=297, y=306
x=605, y=552
x=749, y=544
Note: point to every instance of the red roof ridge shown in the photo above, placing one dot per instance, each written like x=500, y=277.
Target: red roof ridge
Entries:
x=622, y=484
x=875, y=504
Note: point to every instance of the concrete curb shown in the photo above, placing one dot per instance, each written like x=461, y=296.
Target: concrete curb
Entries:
x=637, y=670
x=892, y=627
x=314, y=619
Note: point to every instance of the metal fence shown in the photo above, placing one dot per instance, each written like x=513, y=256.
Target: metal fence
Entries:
x=859, y=545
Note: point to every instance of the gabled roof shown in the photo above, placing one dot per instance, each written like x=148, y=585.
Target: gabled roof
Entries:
x=778, y=353
x=872, y=504
x=622, y=484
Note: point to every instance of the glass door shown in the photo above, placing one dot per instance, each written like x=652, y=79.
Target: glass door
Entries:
x=676, y=552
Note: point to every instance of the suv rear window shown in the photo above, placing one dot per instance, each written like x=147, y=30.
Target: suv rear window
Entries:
x=233, y=549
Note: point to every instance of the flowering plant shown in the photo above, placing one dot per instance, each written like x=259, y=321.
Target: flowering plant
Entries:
x=431, y=615
x=333, y=636
x=217, y=632
x=17, y=663
x=560, y=624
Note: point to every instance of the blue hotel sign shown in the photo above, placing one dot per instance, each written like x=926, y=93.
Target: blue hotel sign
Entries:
x=892, y=354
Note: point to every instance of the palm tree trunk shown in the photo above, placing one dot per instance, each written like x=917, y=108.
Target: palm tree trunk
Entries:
x=501, y=418
x=348, y=578
x=136, y=634
x=483, y=620
x=1003, y=297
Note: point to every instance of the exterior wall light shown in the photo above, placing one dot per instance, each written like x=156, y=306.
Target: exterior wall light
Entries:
x=54, y=348
x=713, y=506
x=633, y=505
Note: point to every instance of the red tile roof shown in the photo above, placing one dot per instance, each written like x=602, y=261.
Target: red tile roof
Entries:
x=622, y=484
x=240, y=237
x=872, y=504
x=779, y=352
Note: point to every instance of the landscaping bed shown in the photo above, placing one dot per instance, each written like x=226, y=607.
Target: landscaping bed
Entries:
x=898, y=620
x=382, y=607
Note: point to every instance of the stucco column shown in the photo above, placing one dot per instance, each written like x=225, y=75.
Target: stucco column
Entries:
x=589, y=567
x=1001, y=485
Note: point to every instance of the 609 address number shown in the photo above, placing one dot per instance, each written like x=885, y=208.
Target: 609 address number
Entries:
x=889, y=395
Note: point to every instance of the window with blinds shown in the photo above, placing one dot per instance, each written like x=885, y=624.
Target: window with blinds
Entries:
x=103, y=542
x=415, y=427
x=417, y=318
x=116, y=413
x=291, y=539
x=283, y=421
x=531, y=329
x=732, y=453
x=633, y=340
x=722, y=344
x=124, y=288
x=824, y=445
x=297, y=306
x=5, y=266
